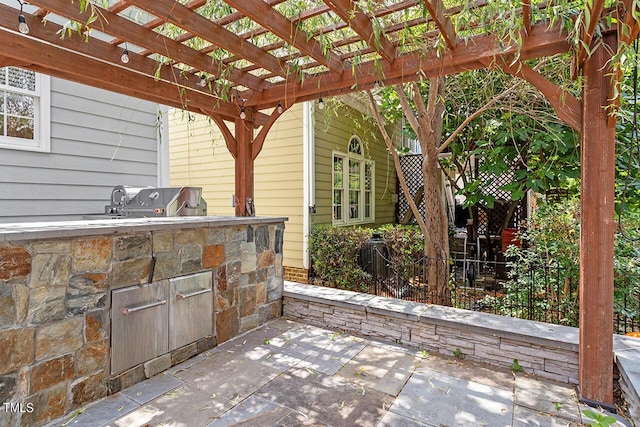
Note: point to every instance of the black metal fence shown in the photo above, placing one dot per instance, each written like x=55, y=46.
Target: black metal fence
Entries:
x=543, y=292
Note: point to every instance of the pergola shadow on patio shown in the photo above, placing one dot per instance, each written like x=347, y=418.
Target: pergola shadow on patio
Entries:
x=245, y=61
x=287, y=373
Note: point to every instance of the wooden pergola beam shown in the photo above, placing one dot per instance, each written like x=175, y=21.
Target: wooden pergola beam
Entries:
x=196, y=24
x=526, y=15
x=114, y=25
x=436, y=9
x=566, y=106
x=287, y=30
x=66, y=64
x=409, y=67
x=362, y=24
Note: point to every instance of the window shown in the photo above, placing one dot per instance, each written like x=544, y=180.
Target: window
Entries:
x=353, y=186
x=24, y=109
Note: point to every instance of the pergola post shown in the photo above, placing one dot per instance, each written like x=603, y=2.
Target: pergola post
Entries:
x=595, y=369
x=244, y=168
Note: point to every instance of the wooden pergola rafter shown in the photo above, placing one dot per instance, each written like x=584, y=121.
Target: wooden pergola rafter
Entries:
x=244, y=62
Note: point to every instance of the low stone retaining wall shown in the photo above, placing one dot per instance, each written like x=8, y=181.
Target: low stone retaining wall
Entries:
x=546, y=350
x=55, y=297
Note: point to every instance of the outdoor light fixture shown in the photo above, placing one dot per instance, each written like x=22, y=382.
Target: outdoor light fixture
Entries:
x=280, y=109
x=243, y=115
x=125, y=56
x=376, y=85
x=203, y=80
x=320, y=104
x=22, y=21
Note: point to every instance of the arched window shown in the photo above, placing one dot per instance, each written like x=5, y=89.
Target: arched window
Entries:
x=353, y=186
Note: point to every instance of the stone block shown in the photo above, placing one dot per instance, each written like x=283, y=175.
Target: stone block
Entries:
x=270, y=311
x=126, y=379
x=8, y=311
x=8, y=388
x=250, y=233
x=233, y=274
x=274, y=289
x=236, y=234
x=247, y=303
x=214, y=236
x=91, y=254
x=132, y=246
x=248, y=323
x=88, y=389
x=233, y=251
x=279, y=240
x=226, y=299
x=266, y=259
x=262, y=238
x=86, y=292
x=213, y=256
x=167, y=265
x=21, y=293
x=183, y=353
x=162, y=241
x=130, y=272
x=227, y=324
x=56, y=339
x=95, y=327
x=261, y=293
x=47, y=404
x=206, y=343
x=16, y=349
x=248, y=257
x=51, y=372
x=92, y=358
x=15, y=262
x=46, y=304
x=190, y=258
x=189, y=236
x=50, y=270
x=220, y=278
x=157, y=365
x=54, y=246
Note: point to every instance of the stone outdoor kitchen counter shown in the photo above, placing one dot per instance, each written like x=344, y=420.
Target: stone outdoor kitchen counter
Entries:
x=56, y=280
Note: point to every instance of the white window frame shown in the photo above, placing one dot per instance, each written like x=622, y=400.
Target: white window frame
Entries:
x=42, y=120
x=345, y=158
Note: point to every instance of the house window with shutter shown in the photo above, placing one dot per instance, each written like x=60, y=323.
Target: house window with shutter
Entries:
x=24, y=109
x=353, y=186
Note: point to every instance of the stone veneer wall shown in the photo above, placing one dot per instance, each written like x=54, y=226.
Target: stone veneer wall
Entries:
x=550, y=351
x=55, y=299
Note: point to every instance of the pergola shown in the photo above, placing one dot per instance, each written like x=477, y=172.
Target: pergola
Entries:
x=246, y=61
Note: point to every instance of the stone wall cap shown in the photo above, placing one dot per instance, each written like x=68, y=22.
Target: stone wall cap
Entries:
x=489, y=324
x=58, y=229
x=323, y=295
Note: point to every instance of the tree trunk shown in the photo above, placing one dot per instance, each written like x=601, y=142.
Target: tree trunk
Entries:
x=436, y=248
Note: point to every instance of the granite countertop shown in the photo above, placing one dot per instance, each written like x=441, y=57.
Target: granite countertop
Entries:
x=57, y=229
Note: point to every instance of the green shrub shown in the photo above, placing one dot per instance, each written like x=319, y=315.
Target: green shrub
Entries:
x=334, y=256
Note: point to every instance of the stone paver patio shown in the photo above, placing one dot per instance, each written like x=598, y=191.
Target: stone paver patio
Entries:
x=289, y=374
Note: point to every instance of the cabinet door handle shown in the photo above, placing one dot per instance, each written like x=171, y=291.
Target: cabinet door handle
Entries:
x=129, y=310
x=193, y=294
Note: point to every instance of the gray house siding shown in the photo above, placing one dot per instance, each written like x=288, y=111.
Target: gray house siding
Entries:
x=99, y=139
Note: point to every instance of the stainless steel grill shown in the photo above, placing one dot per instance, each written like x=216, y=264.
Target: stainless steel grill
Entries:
x=145, y=202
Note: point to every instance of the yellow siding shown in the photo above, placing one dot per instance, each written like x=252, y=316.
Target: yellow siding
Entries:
x=199, y=157
x=333, y=130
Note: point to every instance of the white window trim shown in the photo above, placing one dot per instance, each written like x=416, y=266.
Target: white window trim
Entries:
x=42, y=121
x=345, y=188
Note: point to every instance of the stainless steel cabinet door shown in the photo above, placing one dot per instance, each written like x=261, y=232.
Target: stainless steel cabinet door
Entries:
x=139, y=326
x=190, y=309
